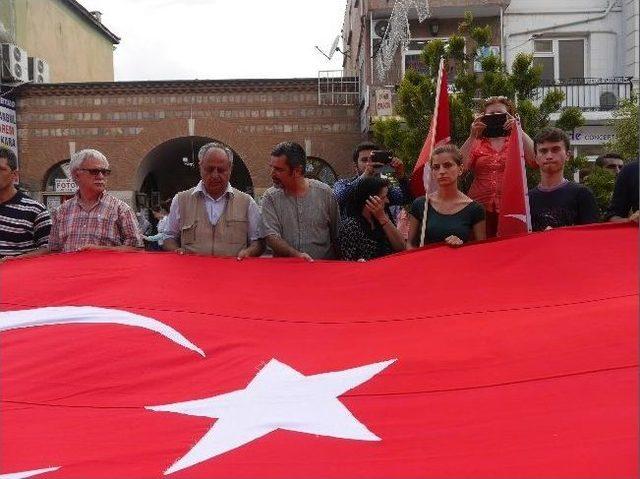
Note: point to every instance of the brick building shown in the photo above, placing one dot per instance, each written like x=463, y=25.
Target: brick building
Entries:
x=151, y=131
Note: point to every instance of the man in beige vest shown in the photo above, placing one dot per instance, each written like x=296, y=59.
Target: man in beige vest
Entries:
x=213, y=218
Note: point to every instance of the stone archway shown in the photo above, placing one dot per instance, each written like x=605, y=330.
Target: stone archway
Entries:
x=172, y=166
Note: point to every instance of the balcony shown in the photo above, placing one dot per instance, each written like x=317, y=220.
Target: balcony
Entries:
x=590, y=94
x=336, y=89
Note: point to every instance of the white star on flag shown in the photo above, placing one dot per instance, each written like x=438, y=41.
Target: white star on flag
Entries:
x=278, y=397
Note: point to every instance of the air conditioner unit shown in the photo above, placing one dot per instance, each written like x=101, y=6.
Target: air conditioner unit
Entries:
x=378, y=29
x=14, y=63
x=38, y=70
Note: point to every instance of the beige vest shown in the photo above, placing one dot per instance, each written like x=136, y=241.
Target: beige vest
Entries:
x=198, y=235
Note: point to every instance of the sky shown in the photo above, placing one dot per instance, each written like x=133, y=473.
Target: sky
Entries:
x=221, y=39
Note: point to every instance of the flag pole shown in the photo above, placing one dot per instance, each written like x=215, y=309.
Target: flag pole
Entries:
x=433, y=128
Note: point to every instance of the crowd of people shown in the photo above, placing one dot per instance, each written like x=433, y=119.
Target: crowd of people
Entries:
x=355, y=220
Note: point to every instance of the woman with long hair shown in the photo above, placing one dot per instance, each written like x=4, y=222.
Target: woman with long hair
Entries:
x=366, y=232
x=452, y=217
x=485, y=155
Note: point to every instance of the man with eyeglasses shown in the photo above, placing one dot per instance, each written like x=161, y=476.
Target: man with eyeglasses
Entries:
x=24, y=223
x=93, y=219
x=214, y=218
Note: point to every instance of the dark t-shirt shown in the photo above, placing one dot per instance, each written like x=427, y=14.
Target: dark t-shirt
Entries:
x=357, y=240
x=570, y=204
x=440, y=226
x=625, y=193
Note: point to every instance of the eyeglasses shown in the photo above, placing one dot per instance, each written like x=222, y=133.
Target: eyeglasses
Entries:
x=97, y=171
x=613, y=166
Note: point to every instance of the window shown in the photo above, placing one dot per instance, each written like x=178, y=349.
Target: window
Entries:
x=561, y=59
x=412, y=58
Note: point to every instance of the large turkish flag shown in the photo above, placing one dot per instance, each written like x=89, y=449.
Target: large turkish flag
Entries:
x=517, y=359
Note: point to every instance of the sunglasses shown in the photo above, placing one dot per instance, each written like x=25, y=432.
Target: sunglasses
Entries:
x=97, y=171
x=613, y=167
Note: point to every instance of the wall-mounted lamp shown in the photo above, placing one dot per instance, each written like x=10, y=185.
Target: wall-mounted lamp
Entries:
x=434, y=28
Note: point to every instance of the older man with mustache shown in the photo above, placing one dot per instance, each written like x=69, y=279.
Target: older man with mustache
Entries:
x=93, y=219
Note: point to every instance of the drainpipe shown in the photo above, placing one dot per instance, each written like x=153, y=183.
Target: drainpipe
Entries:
x=604, y=14
x=503, y=54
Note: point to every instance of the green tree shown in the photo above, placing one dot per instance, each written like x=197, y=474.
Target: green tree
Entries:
x=625, y=124
x=416, y=94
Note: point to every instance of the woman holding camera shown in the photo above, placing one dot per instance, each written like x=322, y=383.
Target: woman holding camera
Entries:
x=365, y=231
x=452, y=217
x=485, y=154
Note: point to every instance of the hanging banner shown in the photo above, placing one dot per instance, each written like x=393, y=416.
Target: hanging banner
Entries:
x=8, y=125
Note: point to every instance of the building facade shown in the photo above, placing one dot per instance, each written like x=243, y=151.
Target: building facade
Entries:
x=589, y=49
x=364, y=26
x=151, y=132
x=73, y=42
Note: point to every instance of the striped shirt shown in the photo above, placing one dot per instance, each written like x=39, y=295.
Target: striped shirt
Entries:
x=110, y=222
x=24, y=225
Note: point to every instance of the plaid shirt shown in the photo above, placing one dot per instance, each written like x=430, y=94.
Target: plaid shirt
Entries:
x=110, y=222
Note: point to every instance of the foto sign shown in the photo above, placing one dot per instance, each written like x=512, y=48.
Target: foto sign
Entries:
x=65, y=185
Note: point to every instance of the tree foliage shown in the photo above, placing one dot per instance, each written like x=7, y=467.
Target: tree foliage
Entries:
x=625, y=123
x=416, y=93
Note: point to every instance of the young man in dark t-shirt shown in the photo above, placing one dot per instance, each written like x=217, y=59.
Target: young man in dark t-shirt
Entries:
x=24, y=223
x=555, y=201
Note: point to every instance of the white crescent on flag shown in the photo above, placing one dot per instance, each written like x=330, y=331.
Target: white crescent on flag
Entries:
x=29, y=318
x=26, y=474
x=522, y=218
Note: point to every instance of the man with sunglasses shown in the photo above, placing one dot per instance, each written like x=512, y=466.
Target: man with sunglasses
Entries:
x=93, y=219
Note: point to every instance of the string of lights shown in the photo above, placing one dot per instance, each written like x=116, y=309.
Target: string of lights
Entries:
x=398, y=33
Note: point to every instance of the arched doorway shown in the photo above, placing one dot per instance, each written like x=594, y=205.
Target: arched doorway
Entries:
x=57, y=185
x=172, y=166
x=318, y=169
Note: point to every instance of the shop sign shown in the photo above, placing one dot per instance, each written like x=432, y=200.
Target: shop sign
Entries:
x=384, y=105
x=592, y=135
x=8, y=126
x=65, y=185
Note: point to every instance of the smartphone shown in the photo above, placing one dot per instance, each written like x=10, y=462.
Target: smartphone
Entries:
x=381, y=156
x=495, y=125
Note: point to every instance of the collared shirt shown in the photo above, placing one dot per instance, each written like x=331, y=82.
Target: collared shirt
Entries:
x=308, y=223
x=110, y=222
x=24, y=225
x=214, y=208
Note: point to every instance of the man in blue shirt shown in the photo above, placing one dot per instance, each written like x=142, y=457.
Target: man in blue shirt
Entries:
x=398, y=194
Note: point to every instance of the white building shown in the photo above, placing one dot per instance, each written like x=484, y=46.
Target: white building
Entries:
x=589, y=49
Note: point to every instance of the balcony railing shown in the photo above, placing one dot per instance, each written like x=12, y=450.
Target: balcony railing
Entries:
x=336, y=89
x=590, y=94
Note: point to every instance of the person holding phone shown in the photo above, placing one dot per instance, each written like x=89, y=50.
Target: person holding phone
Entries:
x=485, y=154
x=368, y=161
x=365, y=231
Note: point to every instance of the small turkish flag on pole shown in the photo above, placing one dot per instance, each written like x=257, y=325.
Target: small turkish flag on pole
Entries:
x=515, y=217
x=439, y=130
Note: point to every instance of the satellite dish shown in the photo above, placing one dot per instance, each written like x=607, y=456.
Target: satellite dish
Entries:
x=334, y=48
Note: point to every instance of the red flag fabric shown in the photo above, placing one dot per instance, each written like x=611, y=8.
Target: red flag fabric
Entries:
x=515, y=216
x=520, y=361
x=439, y=130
